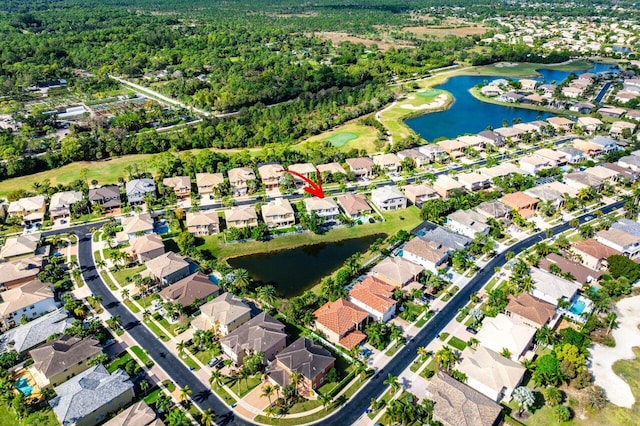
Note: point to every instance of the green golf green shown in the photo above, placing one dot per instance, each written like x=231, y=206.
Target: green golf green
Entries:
x=429, y=93
x=340, y=139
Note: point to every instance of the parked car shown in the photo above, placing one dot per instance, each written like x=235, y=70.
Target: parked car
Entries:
x=214, y=361
x=472, y=330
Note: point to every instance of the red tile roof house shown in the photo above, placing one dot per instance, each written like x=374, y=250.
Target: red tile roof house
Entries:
x=341, y=323
x=362, y=167
x=195, y=287
x=354, y=205
x=579, y=272
x=530, y=310
x=375, y=297
x=522, y=203
x=592, y=254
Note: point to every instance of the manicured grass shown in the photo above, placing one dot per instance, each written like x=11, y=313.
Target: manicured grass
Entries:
x=222, y=393
x=396, y=220
x=415, y=366
x=191, y=363
x=393, y=349
x=152, y=396
x=243, y=387
x=119, y=362
x=366, y=138
x=173, y=328
x=204, y=356
x=422, y=321
x=153, y=327
x=444, y=336
x=122, y=275
x=341, y=138
x=169, y=385
x=142, y=355
x=430, y=93
x=457, y=343
x=132, y=306
x=525, y=69
x=307, y=405
x=45, y=417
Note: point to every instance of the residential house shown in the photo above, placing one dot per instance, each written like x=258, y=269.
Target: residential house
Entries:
x=573, y=155
x=468, y=223
x=355, y=205
x=58, y=360
x=621, y=129
x=388, y=162
x=303, y=356
x=270, y=175
x=492, y=138
x=136, y=226
x=529, y=128
x=362, y=167
x=419, y=193
x=546, y=193
x=448, y=239
x=168, y=268
x=624, y=175
x=207, y=182
x=30, y=209
x=325, y=208
x=632, y=85
x=61, y=202
x=20, y=246
x=375, y=297
x=194, y=287
x=36, y=332
x=501, y=171
x=139, y=414
x=27, y=301
x=532, y=164
x=530, y=310
x=633, y=114
x=419, y=158
x=433, y=152
x=522, y=203
x=560, y=123
x=388, y=197
x=628, y=226
x=239, y=179
x=603, y=173
x=86, y=399
x=307, y=170
x=181, y=185
x=557, y=158
x=612, y=112
x=582, y=107
x=21, y=271
x=588, y=148
x=137, y=189
x=453, y=147
x=605, y=143
x=624, y=96
x=528, y=85
x=278, y=213
x=331, y=168
x=502, y=332
x=474, y=181
x=147, y=247
x=551, y=288
x=491, y=90
x=261, y=333
x=397, y=271
x=457, y=404
x=106, y=196
x=445, y=185
x=429, y=254
x=494, y=209
x=490, y=373
x=623, y=241
x=511, y=97
x=572, y=92
x=548, y=89
x=203, y=223
x=512, y=133
x=223, y=314
x=592, y=253
x=341, y=323
x=577, y=271
x=582, y=180
x=241, y=217
x=631, y=162
x=589, y=124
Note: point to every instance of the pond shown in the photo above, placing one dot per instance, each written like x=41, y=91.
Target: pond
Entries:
x=469, y=115
x=293, y=271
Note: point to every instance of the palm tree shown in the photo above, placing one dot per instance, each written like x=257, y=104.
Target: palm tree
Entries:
x=360, y=369
x=181, y=346
x=392, y=382
x=243, y=374
x=241, y=278
x=446, y=358
x=545, y=336
x=423, y=352
x=295, y=379
x=207, y=417
x=524, y=398
x=268, y=391
x=270, y=411
x=144, y=386
x=125, y=294
x=184, y=394
x=215, y=378
x=267, y=294
x=325, y=399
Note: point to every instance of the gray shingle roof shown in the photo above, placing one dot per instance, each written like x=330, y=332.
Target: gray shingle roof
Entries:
x=448, y=239
x=34, y=332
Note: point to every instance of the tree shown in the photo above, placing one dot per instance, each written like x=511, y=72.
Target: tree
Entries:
x=144, y=386
x=459, y=376
x=595, y=397
x=546, y=336
x=181, y=346
x=392, y=382
x=325, y=399
x=547, y=371
x=622, y=266
x=125, y=294
x=177, y=418
x=268, y=391
x=98, y=359
x=552, y=396
x=295, y=378
x=505, y=352
x=241, y=279
x=216, y=378
x=267, y=294
x=423, y=352
x=524, y=398
x=184, y=394
x=208, y=417
x=446, y=358
x=561, y=413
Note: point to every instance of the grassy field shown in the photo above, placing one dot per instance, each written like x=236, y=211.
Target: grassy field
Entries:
x=8, y=417
x=525, y=69
x=348, y=136
x=340, y=139
x=142, y=355
x=400, y=219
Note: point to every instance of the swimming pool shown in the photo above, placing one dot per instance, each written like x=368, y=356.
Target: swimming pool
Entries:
x=161, y=227
x=577, y=307
x=214, y=278
x=22, y=384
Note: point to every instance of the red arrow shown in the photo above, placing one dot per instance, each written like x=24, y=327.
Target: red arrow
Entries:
x=313, y=188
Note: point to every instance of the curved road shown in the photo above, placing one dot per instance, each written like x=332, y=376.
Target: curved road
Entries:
x=353, y=409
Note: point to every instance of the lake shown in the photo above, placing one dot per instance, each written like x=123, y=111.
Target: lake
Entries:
x=469, y=115
x=293, y=271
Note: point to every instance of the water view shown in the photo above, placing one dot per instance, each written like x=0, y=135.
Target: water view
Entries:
x=469, y=115
x=294, y=271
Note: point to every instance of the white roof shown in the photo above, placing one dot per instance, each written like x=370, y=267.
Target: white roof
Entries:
x=490, y=368
x=27, y=204
x=501, y=332
x=552, y=285
x=64, y=199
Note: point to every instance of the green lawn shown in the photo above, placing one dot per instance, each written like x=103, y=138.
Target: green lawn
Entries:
x=306, y=405
x=226, y=397
x=119, y=362
x=142, y=355
x=132, y=306
x=204, y=356
x=122, y=274
x=45, y=417
x=243, y=387
x=457, y=343
x=525, y=69
x=340, y=139
x=156, y=330
x=152, y=396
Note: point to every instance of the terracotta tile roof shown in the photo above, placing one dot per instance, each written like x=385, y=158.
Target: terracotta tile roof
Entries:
x=396, y=270
x=374, y=293
x=354, y=204
x=581, y=273
x=531, y=308
x=340, y=316
x=352, y=339
x=519, y=200
x=187, y=290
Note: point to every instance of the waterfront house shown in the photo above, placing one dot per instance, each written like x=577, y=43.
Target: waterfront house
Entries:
x=223, y=314
x=375, y=297
x=61, y=202
x=354, y=205
x=192, y=288
x=28, y=301
x=429, y=254
x=137, y=189
x=527, y=84
x=278, y=213
x=341, y=322
x=241, y=217
x=560, y=123
x=552, y=288
x=397, y=271
x=388, y=197
x=270, y=175
x=207, y=182
x=87, y=399
x=492, y=138
x=167, y=268
x=261, y=333
x=448, y=239
x=419, y=193
x=203, y=223
x=325, y=208
x=239, y=179
x=181, y=185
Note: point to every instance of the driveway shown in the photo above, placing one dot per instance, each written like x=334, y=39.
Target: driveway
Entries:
x=255, y=398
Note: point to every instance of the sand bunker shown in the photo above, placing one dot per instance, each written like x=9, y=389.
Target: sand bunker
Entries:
x=438, y=102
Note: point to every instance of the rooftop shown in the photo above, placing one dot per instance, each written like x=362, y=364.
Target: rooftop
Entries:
x=340, y=316
x=26, y=336
x=194, y=287
x=58, y=355
x=374, y=293
x=531, y=308
x=166, y=264
x=23, y=296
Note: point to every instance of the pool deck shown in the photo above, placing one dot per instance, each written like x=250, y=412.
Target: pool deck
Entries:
x=36, y=393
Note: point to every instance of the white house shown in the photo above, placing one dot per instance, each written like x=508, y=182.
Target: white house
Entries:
x=388, y=198
x=551, y=288
x=467, y=223
x=326, y=209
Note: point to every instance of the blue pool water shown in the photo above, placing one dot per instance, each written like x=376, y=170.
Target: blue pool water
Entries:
x=577, y=307
x=23, y=386
x=161, y=227
x=214, y=279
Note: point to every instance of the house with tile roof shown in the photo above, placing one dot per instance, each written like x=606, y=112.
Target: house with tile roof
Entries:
x=136, y=225
x=29, y=300
x=136, y=190
x=261, y=333
x=303, y=356
x=468, y=223
x=354, y=205
x=375, y=297
x=239, y=179
x=605, y=143
x=631, y=162
x=501, y=332
x=270, y=175
x=241, y=217
x=623, y=241
x=388, y=198
x=203, y=223
x=457, y=404
x=530, y=310
x=20, y=246
x=453, y=147
x=450, y=240
x=612, y=112
x=474, y=181
x=494, y=209
x=278, y=213
x=620, y=128
x=552, y=288
x=573, y=155
x=592, y=253
x=419, y=193
x=624, y=175
x=139, y=414
x=325, y=208
x=207, y=182
x=331, y=168
x=589, y=124
x=223, y=314
x=107, y=196
x=433, y=152
x=168, y=268
x=545, y=192
x=522, y=203
x=181, y=185
x=426, y=253
x=194, y=287
x=362, y=167
x=582, y=180
x=532, y=164
x=61, y=202
x=397, y=271
x=33, y=333
x=341, y=322
x=145, y=248
x=603, y=173
x=557, y=158
x=307, y=170
x=388, y=162
x=30, y=209
x=419, y=158
x=17, y=272
x=87, y=399
x=58, y=360
x=579, y=272
x=445, y=185
x=490, y=373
